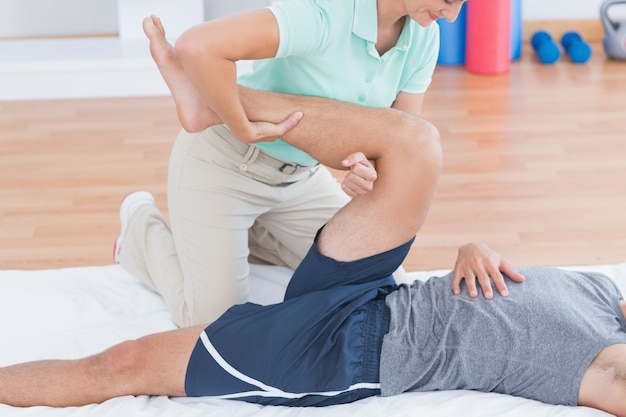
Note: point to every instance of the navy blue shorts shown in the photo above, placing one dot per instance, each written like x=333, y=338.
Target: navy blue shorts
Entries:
x=320, y=346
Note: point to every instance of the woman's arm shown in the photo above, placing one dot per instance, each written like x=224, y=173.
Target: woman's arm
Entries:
x=410, y=103
x=208, y=53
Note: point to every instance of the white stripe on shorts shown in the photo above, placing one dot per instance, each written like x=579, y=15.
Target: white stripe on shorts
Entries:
x=266, y=390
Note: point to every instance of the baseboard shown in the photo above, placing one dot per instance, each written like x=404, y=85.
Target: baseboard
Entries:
x=591, y=30
x=77, y=68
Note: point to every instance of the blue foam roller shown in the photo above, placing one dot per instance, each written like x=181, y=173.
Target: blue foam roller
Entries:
x=452, y=40
x=516, y=30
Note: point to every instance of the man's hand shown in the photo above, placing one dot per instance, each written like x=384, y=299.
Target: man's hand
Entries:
x=360, y=179
x=477, y=261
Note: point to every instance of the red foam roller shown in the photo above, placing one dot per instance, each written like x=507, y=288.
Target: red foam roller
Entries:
x=488, y=36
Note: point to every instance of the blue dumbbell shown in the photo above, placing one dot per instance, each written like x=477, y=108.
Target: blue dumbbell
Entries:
x=579, y=51
x=547, y=50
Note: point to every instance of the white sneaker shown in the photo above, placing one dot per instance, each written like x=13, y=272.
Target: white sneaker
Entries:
x=129, y=206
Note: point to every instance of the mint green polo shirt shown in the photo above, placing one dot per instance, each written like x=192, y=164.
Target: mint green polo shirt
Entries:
x=327, y=49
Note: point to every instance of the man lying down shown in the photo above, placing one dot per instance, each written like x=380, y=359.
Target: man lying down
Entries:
x=346, y=330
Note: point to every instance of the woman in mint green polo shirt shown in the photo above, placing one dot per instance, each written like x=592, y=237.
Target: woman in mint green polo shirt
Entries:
x=237, y=192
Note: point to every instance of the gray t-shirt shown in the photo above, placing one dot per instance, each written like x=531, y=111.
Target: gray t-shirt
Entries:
x=536, y=343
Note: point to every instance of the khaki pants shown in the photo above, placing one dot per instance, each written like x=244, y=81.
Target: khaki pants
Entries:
x=227, y=201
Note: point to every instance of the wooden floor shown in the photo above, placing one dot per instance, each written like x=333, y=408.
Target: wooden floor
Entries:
x=535, y=165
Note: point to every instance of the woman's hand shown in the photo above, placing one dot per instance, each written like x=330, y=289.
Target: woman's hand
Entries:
x=477, y=261
x=360, y=179
x=266, y=131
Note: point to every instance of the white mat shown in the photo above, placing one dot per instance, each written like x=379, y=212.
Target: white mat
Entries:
x=74, y=312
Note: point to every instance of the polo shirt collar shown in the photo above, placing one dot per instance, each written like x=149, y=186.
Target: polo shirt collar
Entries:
x=365, y=24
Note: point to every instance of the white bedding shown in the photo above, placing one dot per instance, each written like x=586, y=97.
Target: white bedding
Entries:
x=73, y=312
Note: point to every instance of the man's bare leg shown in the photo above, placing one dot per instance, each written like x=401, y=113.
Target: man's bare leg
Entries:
x=406, y=150
x=152, y=365
x=193, y=112
x=408, y=162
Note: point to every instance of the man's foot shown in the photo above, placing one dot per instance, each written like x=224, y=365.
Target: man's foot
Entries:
x=193, y=112
x=129, y=206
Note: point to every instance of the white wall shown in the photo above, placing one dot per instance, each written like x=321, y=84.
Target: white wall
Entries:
x=216, y=8
x=561, y=9
x=531, y=9
x=68, y=17
x=19, y=18
x=41, y=18
x=176, y=15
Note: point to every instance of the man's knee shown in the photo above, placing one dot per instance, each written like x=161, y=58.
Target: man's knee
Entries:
x=122, y=365
x=417, y=142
